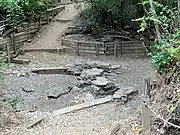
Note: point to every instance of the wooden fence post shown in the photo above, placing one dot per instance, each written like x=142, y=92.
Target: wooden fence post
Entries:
x=8, y=53
x=77, y=48
x=97, y=50
x=115, y=49
x=14, y=42
x=29, y=23
x=40, y=22
x=145, y=110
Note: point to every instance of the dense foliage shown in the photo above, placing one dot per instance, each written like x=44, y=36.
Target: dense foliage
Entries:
x=165, y=52
x=20, y=10
x=110, y=13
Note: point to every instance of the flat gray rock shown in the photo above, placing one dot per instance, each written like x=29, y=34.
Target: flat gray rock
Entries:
x=130, y=91
x=88, y=97
x=76, y=89
x=115, y=66
x=105, y=65
x=124, y=92
x=100, y=81
x=92, y=72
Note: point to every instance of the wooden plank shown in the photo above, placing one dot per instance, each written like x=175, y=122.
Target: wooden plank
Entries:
x=82, y=42
x=59, y=8
x=25, y=33
x=32, y=27
x=21, y=41
x=63, y=21
x=5, y=41
x=94, y=102
x=50, y=70
x=4, y=22
x=134, y=51
x=134, y=48
x=20, y=61
x=35, y=123
x=130, y=42
x=42, y=50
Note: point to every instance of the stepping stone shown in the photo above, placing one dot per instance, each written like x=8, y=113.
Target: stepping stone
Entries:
x=124, y=92
x=115, y=66
x=92, y=72
x=100, y=81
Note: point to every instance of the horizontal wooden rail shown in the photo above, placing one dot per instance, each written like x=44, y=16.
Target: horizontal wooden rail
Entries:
x=109, y=48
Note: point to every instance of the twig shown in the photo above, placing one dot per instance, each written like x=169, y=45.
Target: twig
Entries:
x=115, y=129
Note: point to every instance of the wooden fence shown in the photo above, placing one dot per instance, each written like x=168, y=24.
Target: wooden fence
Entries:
x=26, y=30
x=100, y=48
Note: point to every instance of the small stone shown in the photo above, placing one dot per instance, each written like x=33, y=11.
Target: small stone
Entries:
x=15, y=72
x=94, y=89
x=124, y=99
x=77, y=73
x=115, y=66
x=72, y=71
x=53, y=95
x=103, y=65
x=76, y=89
x=79, y=78
x=22, y=74
x=88, y=97
x=110, y=86
x=79, y=84
x=92, y=72
x=100, y=81
x=93, y=65
x=118, y=95
x=130, y=91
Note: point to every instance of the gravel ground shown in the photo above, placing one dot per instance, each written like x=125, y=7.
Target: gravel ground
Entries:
x=134, y=70
x=96, y=120
x=42, y=86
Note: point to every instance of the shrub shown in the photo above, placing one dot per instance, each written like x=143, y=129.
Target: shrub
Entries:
x=109, y=13
x=19, y=10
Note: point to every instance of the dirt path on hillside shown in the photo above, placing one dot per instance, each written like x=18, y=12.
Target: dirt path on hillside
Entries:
x=97, y=120
x=50, y=37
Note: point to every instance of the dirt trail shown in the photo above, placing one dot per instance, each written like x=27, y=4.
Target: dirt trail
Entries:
x=50, y=38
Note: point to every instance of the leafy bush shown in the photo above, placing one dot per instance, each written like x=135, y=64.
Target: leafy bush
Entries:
x=109, y=13
x=19, y=10
x=165, y=56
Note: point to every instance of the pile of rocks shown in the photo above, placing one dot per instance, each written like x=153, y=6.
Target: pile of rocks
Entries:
x=94, y=78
